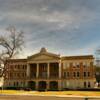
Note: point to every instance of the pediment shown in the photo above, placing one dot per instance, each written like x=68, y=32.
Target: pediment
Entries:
x=43, y=57
x=40, y=57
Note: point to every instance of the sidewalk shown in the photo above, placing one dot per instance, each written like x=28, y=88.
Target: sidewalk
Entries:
x=33, y=94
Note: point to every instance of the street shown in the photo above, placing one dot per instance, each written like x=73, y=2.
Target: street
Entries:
x=25, y=97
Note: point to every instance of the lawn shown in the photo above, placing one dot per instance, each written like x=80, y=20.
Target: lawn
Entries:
x=50, y=93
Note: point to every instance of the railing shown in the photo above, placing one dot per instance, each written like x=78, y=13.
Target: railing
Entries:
x=43, y=77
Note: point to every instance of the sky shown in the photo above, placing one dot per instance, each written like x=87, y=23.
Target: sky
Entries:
x=65, y=27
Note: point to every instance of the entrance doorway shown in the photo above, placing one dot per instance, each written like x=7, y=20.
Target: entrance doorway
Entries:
x=42, y=85
x=32, y=85
x=53, y=85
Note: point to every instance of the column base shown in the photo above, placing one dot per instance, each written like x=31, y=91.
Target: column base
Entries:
x=59, y=86
x=36, y=85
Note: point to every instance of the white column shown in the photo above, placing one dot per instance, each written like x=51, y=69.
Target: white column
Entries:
x=60, y=69
x=28, y=70
x=48, y=71
x=59, y=85
x=47, y=85
x=37, y=71
x=36, y=85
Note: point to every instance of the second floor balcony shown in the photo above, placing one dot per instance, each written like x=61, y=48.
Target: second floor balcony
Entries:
x=44, y=76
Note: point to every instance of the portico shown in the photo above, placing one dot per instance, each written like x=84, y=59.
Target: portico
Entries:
x=44, y=68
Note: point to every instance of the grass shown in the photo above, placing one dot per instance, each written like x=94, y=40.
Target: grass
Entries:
x=70, y=93
x=11, y=91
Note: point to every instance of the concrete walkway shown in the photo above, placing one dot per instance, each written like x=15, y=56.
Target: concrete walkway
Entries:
x=49, y=95
x=42, y=97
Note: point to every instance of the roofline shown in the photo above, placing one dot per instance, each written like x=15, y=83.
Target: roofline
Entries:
x=77, y=57
x=17, y=59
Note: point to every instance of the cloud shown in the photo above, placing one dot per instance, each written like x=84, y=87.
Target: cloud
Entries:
x=60, y=23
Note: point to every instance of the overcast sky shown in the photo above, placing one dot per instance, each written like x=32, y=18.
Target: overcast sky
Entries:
x=66, y=27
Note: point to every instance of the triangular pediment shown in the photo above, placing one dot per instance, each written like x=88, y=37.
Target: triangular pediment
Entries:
x=43, y=57
x=46, y=56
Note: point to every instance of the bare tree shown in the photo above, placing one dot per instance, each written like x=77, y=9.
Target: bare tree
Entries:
x=10, y=46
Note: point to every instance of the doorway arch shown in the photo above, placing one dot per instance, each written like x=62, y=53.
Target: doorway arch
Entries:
x=53, y=85
x=42, y=85
x=32, y=85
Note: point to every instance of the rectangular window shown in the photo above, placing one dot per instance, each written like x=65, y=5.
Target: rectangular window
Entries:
x=74, y=74
x=22, y=74
x=15, y=66
x=65, y=75
x=77, y=64
x=18, y=66
x=17, y=83
x=18, y=74
x=88, y=74
x=14, y=84
x=23, y=67
x=10, y=74
x=89, y=84
x=84, y=84
x=78, y=74
x=86, y=64
x=84, y=74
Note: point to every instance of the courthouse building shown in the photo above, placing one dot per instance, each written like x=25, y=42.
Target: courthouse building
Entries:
x=49, y=71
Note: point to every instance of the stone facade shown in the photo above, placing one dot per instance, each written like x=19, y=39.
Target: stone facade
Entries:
x=49, y=71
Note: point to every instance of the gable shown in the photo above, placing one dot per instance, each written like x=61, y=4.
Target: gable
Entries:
x=41, y=57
